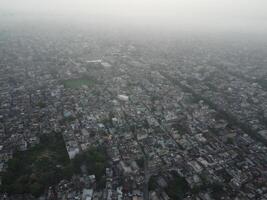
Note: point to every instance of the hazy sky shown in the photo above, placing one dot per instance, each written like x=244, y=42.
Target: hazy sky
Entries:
x=225, y=14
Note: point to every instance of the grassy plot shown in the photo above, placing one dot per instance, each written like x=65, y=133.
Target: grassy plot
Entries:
x=36, y=169
x=77, y=83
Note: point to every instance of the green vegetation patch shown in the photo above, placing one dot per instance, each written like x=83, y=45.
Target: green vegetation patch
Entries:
x=177, y=188
x=46, y=164
x=36, y=169
x=95, y=161
x=41, y=104
x=263, y=82
x=77, y=83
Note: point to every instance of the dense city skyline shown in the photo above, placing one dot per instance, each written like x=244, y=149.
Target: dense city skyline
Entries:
x=133, y=100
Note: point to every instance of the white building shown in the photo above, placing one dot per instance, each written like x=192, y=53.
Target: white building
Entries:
x=123, y=97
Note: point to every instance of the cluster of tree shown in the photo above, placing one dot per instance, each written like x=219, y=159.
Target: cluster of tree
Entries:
x=263, y=82
x=44, y=165
x=94, y=160
x=41, y=104
x=215, y=188
x=36, y=169
x=67, y=120
x=152, y=184
x=141, y=163
x=176, y=189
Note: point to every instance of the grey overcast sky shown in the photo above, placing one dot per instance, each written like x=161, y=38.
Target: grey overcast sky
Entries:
x=225, y=14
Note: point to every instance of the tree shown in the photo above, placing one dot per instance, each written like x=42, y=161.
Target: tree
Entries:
x=36, y=189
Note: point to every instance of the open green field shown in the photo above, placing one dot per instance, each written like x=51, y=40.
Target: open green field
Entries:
x=77, y=83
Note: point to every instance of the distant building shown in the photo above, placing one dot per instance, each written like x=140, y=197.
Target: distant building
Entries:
x=123, y=97
x=73, y=152
x=87, y=194
x=97, y=64
x=106, y=64
x=263, y=133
